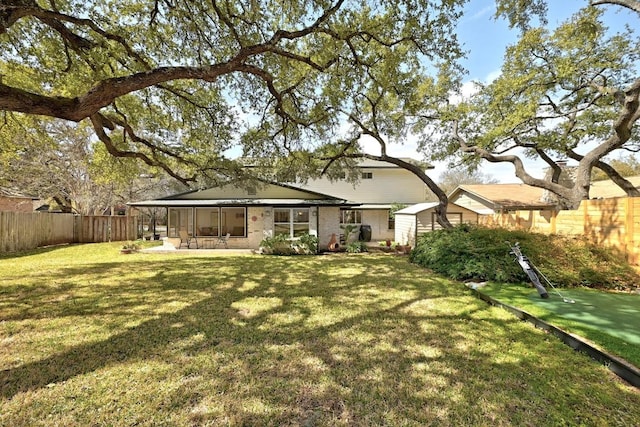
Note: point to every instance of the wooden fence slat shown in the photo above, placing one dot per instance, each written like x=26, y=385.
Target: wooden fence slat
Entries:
x=27, y=230
x=611, y=222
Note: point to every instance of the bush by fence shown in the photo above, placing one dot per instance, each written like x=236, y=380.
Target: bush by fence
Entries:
x=22, y=231
x=613, y=223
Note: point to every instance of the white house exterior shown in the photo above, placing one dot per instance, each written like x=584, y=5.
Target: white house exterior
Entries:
x=381, y=186
x=319, y=207
x=420, y=218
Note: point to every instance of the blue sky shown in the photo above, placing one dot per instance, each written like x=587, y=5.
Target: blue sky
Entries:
x=485, y=39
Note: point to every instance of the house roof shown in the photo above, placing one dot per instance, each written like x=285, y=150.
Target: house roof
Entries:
x=505, y=196
x=227, y=195
x=8, y=192
x=367, y=163
x=377, y=164
x=239, y=201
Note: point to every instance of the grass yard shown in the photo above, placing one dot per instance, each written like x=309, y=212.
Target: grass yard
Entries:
x=92, y=337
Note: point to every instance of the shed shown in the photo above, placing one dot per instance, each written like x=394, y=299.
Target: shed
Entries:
x=420, y=218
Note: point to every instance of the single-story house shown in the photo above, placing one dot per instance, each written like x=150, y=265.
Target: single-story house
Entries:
x=249, y=214
x=420, y=218
x=488, y=199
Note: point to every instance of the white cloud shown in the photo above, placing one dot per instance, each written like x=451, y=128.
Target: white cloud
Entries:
x=479, y=14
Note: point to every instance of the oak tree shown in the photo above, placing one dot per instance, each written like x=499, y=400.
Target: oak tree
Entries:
x=568, y=93
x=177, y=83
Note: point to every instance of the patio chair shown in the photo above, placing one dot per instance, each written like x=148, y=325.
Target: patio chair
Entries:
x=224, y=240
x=187, y=239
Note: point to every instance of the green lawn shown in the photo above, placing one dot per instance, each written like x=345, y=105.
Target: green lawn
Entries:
x=92, y=337
x=609, y=320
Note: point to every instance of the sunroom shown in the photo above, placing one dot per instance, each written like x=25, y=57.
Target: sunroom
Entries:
x=248, y=215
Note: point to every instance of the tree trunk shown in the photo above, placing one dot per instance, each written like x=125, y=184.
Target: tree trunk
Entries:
x=441, y=209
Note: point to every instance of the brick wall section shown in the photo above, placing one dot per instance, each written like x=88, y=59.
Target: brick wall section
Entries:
x=328, y=223
x=16, y=204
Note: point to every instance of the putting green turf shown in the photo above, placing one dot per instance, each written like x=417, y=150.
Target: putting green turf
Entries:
x=616, y=314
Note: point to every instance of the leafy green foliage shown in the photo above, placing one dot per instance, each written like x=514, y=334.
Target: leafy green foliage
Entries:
x=356, y=247
x=349, y=230
x=283, y=245
x=560, y=95
x=626, y=166
x=469, y=252
x=178, y=84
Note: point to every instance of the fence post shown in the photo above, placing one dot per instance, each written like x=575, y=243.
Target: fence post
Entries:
x=630, y=247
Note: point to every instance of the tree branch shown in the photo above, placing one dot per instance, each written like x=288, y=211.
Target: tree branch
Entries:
x=100, y=123
x=629, y=4
x=618, y=179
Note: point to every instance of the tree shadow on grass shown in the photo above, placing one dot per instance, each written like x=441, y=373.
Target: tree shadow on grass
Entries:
x=323, y=341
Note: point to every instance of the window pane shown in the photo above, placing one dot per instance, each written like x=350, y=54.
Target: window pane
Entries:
x=281, y=229
x=233, y=221
x=180, y=219
x=281, y=215
x=300, y=229
x=301, y=215
x=352, y=216
x=207, y=221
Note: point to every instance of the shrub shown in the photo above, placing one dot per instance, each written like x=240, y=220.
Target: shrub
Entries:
x=308, y=244
x=131, y=246
x=283, y=245
x=356, y=247
x=469, y=252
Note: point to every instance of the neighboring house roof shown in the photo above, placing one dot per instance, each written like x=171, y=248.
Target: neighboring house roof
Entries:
x=269, y=194
x=504, y=196
x=7, y=192
x=421, y=207
x=607, y=189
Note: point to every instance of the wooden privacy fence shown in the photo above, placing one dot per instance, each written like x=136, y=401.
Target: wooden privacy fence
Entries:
x=21, y=231
x=613, y=222
x=94, y=229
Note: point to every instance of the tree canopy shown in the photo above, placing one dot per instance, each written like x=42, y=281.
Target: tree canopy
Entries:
x=175, y=84
x=572, y=92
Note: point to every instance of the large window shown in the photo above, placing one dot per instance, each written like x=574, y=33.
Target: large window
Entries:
x=290, y=222
x=208, y=221
x=180, y=219
x=351, y=216
x=211, y=221
x=233, y=221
